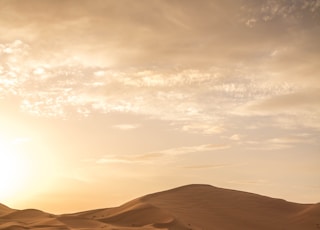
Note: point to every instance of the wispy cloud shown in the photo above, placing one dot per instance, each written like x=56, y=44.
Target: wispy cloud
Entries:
x=289, y=103
x=193, y=149
x=277, y=143
x=203, y=127
x=152, y=156
x=235, y=137
x=205, y=166
x=139, y=158
x=126, y=126
x=250, y=182
x=281, y=10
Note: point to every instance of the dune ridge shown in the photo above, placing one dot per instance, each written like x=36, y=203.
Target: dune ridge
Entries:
x=196, y=207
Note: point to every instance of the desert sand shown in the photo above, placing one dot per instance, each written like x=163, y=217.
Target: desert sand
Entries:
x=189, y=207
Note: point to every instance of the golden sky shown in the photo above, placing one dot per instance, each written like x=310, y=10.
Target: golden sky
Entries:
x=102, y=101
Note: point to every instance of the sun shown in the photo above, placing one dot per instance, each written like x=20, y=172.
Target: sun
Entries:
x=14, y=170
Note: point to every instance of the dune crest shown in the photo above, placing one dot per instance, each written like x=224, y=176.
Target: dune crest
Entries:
x=196, y=207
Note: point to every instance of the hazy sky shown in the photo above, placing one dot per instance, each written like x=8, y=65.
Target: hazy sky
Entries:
x=103, y=101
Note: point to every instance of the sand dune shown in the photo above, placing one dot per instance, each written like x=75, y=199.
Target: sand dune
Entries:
x=5, y=210
x=189, y=207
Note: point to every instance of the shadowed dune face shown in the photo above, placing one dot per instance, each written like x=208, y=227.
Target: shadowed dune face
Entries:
x=4, y=210
x=203, y=206
x=189, y=207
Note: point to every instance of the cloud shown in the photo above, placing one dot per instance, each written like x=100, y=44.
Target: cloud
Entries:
x=139, y=158
x=269, y=146
x=97, y=32
x=251, y=22
x=193, y=149
x=126, y=126
x=282, y=142
x=250, y=182
x=235, y=137
x=202, y=127
x=205, y=166
x=290, y=140
x=196, y=100
x=300, y=101
x=151, y=156
x=197, y=65
x=299, y=108
x=282, y=11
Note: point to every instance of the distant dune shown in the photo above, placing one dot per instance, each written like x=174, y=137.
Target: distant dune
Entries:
x=189, y=207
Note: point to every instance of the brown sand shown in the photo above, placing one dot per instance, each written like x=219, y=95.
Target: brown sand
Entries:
x=5, y=210
x=189, y=207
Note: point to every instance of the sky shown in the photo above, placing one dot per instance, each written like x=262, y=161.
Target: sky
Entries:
x=104, y=101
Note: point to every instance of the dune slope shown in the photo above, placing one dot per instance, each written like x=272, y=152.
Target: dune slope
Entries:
x=189, y=207
x=4, y=210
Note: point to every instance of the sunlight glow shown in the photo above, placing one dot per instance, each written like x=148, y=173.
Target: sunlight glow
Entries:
x=15, y=170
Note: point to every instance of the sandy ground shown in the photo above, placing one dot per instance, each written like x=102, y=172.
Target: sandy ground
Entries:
x=189, y=207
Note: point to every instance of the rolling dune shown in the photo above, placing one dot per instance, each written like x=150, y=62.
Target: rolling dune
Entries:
x=189, y=207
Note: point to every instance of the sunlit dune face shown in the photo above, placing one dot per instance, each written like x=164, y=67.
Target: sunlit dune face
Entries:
x=15, y=170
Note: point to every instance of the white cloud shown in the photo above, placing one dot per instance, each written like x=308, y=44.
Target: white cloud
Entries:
x=235, y=137
x=126, y=126
x=251, y=22
x=203, y=127
x=100, y=73
x=197, y=101
x=39, y=71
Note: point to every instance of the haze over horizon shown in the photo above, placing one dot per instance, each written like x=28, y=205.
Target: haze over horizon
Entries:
x=103, y=101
